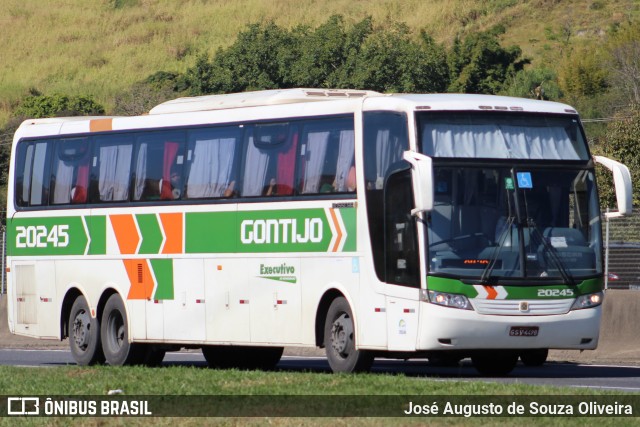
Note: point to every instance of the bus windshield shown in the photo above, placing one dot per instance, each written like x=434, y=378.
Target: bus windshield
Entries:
x=491, y=223
x=501, y=136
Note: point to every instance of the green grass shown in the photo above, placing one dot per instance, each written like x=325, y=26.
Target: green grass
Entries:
x=197, y=381
x=97, y=381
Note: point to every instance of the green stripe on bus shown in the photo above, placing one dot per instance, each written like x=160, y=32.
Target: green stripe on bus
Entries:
x=299, y=230
x=151, y=233
x=210, y=232
x=46, y=236
x=455, y=286
x=97, y=226
x=349, y=220
x=163, y=270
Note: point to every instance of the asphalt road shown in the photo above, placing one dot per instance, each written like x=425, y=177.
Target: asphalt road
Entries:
x=599, y=377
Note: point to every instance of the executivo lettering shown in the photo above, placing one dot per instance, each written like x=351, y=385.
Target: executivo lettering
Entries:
x=280, y=273
x=279, y=269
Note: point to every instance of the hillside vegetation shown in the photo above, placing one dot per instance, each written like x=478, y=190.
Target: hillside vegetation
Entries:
x=75, y=57
x=101, y=47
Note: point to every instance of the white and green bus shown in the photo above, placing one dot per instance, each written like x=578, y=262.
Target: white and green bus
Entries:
x=408, y=226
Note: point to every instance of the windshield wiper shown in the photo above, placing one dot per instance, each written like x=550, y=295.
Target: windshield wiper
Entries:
x=553, y=254
x=486, y=273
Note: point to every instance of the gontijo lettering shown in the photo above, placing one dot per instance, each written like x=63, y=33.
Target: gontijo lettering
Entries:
x=283, y=230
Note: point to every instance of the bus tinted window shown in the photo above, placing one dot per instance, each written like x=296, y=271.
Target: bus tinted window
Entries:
x=385, y=139
x=111, y=168
x=269, y=165
x=327, y=157
x=294, y=158
x=159, y=166
x=32, y=173
x=70, y=171
x=212, y=162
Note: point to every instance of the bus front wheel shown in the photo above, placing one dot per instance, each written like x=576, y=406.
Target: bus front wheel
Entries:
x=84, y=334
x=535, y=357
x=339, y=340
x=495, y=363
x=115, y=335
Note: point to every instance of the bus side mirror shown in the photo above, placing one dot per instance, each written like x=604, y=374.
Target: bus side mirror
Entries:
x=422, y=178
x=622, y=182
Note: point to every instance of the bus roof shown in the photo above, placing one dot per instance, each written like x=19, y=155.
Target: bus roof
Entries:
x=255, y=99
x=468, y=102
x=341, y=100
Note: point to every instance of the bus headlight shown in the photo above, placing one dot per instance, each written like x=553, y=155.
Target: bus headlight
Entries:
x=449, y=300
x=588, y=301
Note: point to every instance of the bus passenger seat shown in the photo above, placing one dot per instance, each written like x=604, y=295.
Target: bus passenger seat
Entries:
x=78, y=194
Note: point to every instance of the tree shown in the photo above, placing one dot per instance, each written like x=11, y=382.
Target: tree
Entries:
x=582, y=75
x=39, y=106
x=360, y=56
x=624, y=62
x=251, y=63
x=142, y=96
x=540, y=83
x=479, y=64
x=622, y=144
x=390, y=61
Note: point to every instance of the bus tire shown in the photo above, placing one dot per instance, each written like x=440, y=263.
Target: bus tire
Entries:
x=242, y=357
x=535, y=357
x=84, y=334
x=115, y=335
x=495, y=363
x=339, y=340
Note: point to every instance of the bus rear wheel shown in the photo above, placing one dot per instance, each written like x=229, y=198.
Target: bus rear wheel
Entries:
x=242, y=357
x=84, y=334
x=495, y=363
x=115, y=335
x=339, y=340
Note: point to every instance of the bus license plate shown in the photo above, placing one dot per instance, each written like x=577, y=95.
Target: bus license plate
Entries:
x=523, y=331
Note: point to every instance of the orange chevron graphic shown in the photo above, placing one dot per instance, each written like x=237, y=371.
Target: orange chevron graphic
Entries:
x=336, y=223
x=140, y=277
x=124, y=226
x=491, y=292
x=172, y=225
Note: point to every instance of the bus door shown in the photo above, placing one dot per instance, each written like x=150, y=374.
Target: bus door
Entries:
x=401, y=262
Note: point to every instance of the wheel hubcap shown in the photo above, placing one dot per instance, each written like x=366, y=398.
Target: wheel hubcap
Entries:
x=116, y=332
x=82, y=330
x=341, y=334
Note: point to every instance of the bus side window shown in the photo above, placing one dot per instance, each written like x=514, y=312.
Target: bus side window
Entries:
x=111, y=168
x=212, y=162
x=270, y=160
x=327, y=157
x=70, y=171
x=32, y=173
x=158, y=166
x=23, y=168
x=345, y=169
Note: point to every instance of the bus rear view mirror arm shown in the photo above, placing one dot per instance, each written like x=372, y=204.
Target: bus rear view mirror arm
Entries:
x=422, y=178
x=622, y=182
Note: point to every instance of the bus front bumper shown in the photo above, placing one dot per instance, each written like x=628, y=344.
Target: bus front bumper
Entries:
x=444, y=328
